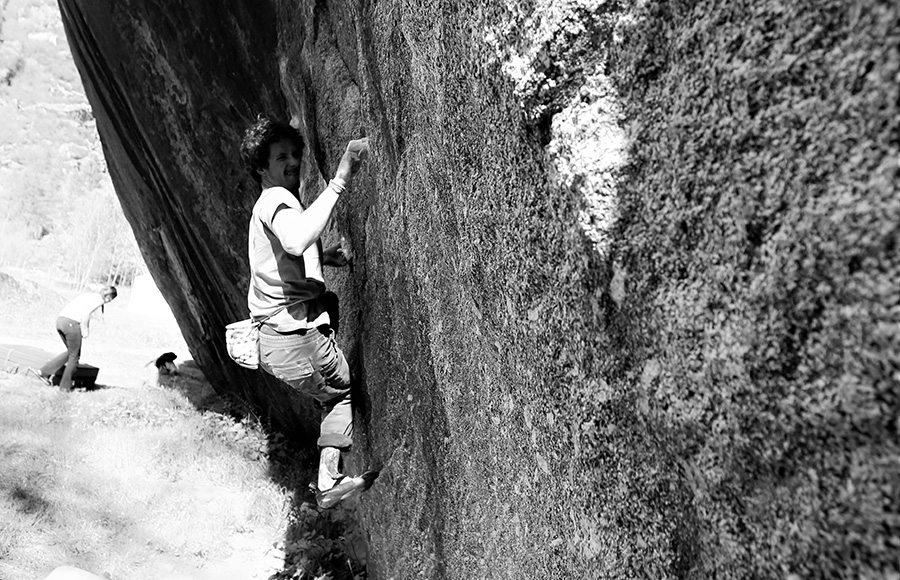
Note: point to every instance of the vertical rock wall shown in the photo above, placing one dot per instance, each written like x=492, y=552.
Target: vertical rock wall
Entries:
x=758, y=238
x=591, y=334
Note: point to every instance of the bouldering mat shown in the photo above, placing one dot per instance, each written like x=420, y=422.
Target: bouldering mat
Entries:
x=18, y=358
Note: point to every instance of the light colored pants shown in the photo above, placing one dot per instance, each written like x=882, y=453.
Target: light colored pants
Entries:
x=70, y=332
x=313, y=364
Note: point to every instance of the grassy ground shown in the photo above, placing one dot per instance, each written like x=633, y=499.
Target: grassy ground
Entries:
x=136, y=480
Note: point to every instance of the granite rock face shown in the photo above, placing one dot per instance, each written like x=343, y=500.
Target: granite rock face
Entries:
x=553, y=326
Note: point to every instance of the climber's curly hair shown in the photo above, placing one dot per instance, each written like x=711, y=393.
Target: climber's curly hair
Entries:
x=257, y=140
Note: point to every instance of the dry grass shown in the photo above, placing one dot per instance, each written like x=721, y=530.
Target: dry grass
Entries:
x=109, y=480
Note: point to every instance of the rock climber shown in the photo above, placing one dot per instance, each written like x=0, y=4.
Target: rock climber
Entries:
x=287, y=289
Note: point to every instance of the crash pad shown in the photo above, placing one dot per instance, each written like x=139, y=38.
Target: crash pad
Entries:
x=18, y=358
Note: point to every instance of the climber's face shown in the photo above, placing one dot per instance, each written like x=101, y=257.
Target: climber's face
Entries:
x=284, y=166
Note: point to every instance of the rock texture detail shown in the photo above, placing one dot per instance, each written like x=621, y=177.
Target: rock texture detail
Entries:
x=623, y=299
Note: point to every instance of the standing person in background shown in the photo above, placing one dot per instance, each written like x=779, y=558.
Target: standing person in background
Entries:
x=287, y=290
x=74, y=324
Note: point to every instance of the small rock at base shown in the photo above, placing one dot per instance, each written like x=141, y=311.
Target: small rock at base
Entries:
x=72, y=573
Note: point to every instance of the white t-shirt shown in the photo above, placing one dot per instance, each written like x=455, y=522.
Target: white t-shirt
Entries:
x=278, y=277
x=81, y=308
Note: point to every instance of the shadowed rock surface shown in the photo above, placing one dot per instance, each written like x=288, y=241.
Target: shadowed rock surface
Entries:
x=623, y=301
